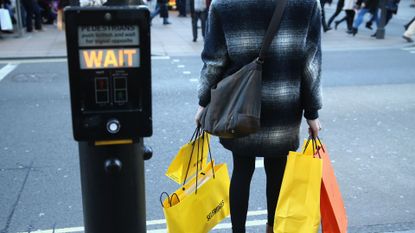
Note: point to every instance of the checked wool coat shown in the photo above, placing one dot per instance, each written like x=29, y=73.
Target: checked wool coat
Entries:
x=291, y=83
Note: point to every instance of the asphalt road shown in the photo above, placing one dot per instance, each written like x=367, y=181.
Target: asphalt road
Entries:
x=369, y=107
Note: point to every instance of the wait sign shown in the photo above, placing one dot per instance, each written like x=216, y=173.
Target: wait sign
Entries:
x=109, y=58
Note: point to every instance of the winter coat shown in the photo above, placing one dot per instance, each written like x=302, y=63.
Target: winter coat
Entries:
x=291, y=72
x=392, y=5
x=164, y=13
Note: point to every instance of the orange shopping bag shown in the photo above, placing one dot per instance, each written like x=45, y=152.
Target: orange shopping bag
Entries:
x=333, y=213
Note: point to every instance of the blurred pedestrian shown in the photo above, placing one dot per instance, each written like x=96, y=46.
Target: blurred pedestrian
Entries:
x=367, y=6
x=198, y=11
x=181, y=6
x=391, y=7
x=7, y=4
x=349, y=9
x=339, y=9
x=410, y=31
x=162, y=9
x=291, y=87
x=323, y=14
x=32, y=10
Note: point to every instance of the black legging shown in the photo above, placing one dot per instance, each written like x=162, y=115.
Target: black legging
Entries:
x=339, y=8
x=243, y=169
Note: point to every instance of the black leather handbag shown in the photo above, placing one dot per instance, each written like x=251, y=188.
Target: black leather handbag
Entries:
x=235, y=105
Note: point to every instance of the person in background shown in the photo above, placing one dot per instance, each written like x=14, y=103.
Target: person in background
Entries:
x=181, y=6
x=410, y=31
x=7, y=4
x=339, y=8
x=391, y=9
x=162, y=9
x=367, y=6
x=32, y=9
x=349, y=9
x=46, y=11
x=323, y=14
x=291, y=88
x=198, y=11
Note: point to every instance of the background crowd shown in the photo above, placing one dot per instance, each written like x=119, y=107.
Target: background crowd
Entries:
x=35, y=13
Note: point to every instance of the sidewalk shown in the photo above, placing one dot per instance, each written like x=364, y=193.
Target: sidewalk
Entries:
x=176, y=39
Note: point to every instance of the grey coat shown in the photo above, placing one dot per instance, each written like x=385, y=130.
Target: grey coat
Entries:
x=291, y=72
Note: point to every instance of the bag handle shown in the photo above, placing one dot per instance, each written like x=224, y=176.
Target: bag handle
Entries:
x=315, y=146
x=169, y=198
x=196, y=134
x=201, y=148
x=272, y=29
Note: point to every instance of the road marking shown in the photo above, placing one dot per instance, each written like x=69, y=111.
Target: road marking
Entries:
x=160, y=222
x=187, y=72
x=160, y=58
x=27, y=61
x=409, y=48
x=7, y=70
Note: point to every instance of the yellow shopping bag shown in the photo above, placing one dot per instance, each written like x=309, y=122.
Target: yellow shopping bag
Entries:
x=193, y=153
x=298, y=208
x=197, y=208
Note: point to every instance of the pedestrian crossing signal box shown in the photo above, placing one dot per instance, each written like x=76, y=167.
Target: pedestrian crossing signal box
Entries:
x=109, y=72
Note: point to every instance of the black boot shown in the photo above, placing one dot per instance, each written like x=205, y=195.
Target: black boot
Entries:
x=369, y=25
x=354, y=31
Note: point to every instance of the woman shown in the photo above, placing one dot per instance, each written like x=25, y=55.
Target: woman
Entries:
x=339, y=8
x=162, y=9
x=368, y=6
x=291, y=87
x=349, y=9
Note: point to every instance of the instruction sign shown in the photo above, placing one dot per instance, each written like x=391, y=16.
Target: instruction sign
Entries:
x=108, y=35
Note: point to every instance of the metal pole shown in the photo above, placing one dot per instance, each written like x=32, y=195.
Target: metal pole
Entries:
x=19, y=19
x=380, y=32
x=112, y=179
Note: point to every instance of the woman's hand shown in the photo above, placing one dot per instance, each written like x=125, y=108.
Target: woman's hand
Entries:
x=198, y=115
x=314, y=127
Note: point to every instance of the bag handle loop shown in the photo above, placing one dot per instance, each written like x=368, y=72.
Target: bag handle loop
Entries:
x=169, y=198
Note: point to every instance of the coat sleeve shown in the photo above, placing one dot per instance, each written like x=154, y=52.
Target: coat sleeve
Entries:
x=214, y=56
x=311, y=92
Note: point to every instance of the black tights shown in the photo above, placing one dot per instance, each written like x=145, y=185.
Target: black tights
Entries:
x=243, y=169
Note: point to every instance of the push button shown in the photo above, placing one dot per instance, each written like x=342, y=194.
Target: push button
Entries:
x=113, y=126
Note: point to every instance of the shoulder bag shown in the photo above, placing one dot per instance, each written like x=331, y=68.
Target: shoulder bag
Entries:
x=235, y=106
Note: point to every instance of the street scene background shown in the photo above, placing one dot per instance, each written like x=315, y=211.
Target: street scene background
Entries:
x=367, y=116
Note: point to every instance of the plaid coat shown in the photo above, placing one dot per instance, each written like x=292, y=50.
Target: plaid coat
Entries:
x=291, y=72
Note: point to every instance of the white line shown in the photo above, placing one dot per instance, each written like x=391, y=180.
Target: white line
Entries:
x=160, y=58
x=6, y=70
x=21, y=61
x=160, y=222
x=412, y=51
x=409, y=48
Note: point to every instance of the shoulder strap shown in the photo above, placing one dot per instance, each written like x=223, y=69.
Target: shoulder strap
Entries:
x=272, y=28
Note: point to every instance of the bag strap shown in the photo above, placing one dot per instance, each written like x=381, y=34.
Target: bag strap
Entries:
x=272, y=28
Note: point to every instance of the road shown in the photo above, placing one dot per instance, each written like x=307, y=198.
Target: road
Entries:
x=369, y=108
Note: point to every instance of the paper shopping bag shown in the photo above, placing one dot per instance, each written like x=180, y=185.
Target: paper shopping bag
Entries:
x=199, y=210
x=5, y=20
x=298, y=207
x=333, y=213
x=192, y=154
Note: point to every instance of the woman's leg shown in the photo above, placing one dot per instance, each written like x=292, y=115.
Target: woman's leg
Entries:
x=350, y=17
x=274, y=170
x=243, y=169
x=359, y=18
x=339, y=9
